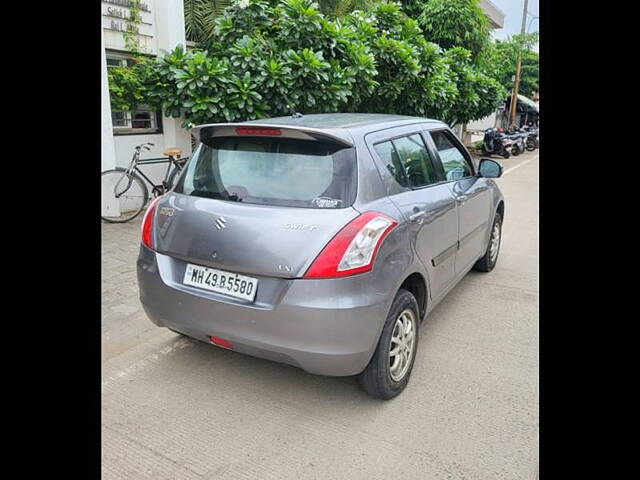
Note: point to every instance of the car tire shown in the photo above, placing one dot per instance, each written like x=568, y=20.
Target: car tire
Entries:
x=489, y=259
x=378, y=378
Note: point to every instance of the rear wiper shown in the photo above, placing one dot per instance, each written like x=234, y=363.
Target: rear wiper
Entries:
x=216, y=195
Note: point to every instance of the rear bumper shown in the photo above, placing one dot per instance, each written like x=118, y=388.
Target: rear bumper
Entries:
x=327, y=327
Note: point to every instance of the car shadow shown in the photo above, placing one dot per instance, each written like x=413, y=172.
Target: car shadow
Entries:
x=206, y=370
x=211, y=370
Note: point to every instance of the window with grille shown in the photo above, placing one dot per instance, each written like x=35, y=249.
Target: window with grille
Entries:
x=143, y=119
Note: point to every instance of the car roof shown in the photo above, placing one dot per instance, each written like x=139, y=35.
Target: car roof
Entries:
x=349, y=121
x=342, y=127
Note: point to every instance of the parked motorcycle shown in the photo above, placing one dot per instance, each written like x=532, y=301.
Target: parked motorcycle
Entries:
x=495, y=143
x=531, y=142
x=518, y=139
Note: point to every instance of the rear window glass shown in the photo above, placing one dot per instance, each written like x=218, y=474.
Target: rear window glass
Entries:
x=272, y=171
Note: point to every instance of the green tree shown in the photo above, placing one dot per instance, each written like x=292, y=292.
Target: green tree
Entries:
x=199, y=18
x=340, y=8
x=412, y=74
x=530, y=74
x=500, y=59
x=478, y=93
x=452, y=23
x=267, y=59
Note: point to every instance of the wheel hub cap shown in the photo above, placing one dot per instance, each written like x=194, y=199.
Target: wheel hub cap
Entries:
x=495, y=242
x=402, y=344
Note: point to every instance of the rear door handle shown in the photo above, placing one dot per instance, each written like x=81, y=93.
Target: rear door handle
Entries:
x=418, y=217
x=461, y=198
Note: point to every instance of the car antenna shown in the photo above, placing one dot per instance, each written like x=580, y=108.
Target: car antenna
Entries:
x=292, y=110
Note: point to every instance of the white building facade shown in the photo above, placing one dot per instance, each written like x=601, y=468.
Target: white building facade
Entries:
x=161, y=29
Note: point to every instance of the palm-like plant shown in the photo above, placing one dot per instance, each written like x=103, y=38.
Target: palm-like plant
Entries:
x=199, y=16
x=340, y=8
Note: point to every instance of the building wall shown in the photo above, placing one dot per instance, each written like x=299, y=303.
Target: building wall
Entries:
x=113, y=23
x=483, y=123
x=162, y=29
x=108, y=155
x=495, y=15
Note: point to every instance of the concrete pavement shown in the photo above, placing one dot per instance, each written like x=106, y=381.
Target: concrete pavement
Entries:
x=176, y=408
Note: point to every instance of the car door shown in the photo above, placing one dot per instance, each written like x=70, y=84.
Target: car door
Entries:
x=416, y=187
x=472, y=195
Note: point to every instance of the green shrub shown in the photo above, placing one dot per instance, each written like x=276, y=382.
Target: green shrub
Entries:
x=267, y=60
x=125, y=88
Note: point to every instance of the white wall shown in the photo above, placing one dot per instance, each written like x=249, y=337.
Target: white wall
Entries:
x=109, y=205
x=165, y=26
x=169, y=21
x=113, y=22
x=483, y=123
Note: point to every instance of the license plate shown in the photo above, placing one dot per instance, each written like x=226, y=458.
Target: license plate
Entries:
x=227, y=283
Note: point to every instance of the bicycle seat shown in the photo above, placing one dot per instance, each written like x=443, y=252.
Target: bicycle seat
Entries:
x=172, y=152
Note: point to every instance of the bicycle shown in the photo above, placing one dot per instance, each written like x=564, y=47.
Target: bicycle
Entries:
x=128, y=184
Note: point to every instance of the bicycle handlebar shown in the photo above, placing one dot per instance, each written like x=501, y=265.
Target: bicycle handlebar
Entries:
x=145, y=146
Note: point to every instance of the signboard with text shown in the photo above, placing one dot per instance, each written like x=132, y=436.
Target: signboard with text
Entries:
x=115, y=21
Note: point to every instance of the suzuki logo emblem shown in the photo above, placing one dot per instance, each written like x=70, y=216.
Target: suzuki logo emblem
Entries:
x=221, y=223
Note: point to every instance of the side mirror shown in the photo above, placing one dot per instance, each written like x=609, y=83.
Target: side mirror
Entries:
x=489, y=168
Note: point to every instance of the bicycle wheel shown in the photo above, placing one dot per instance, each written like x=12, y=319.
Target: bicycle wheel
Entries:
x=130, y=194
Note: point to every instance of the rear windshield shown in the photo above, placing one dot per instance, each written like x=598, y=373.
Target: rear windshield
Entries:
x=272, y=171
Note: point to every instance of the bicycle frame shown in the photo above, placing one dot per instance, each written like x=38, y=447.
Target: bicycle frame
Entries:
x=150, y=161
x=133, y=166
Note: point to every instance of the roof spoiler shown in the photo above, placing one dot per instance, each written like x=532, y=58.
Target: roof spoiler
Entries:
x=283, y=131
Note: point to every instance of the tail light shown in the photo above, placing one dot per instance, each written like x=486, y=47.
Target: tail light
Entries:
x=147, y=223
x=258, y=131
x=353, y=250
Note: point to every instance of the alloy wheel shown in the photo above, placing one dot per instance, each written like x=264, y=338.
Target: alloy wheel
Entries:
x=495, y=242
x=402, y=345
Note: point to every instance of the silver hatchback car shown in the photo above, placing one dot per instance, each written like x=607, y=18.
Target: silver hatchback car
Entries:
x=321, y=241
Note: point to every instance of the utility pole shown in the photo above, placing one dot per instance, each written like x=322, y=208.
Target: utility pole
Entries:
x=516, y=84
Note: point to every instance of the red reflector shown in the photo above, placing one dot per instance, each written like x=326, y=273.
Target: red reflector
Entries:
x=221, y=342
x=257, y=131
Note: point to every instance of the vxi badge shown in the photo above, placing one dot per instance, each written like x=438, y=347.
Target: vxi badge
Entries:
x=301, y=227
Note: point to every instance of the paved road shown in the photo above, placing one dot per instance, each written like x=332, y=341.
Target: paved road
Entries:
x=175, y=408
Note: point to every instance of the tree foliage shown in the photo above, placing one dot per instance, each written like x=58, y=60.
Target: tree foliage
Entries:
x=126, y=88
x=500, y=59
x=477, y=92
x=199, y=18
x=452, y=23
x=269, y=59
x=340, y=8
x=530, y=74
